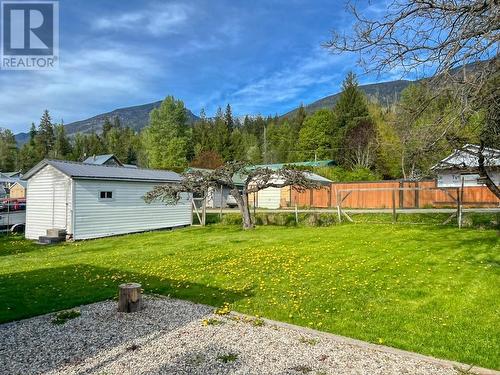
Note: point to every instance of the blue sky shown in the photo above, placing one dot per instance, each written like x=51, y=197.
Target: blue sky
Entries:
x=262, y=57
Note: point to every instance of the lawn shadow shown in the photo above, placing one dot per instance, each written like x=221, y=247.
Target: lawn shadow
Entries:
x=208, y=359
x=31, y=293
x=13, y=244
x=27, y=294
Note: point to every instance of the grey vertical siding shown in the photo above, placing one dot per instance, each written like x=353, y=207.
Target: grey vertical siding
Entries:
x=48, y=202
x=126, y=212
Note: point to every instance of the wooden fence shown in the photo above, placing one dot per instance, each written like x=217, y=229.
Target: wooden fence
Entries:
x=383, y=194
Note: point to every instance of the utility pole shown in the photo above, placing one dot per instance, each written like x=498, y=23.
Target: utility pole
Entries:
x=265, y=144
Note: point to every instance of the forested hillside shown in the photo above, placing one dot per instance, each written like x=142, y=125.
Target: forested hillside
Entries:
x=136, y=117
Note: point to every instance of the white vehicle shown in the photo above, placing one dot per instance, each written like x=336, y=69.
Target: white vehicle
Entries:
x=231, y=202
x=13, y=215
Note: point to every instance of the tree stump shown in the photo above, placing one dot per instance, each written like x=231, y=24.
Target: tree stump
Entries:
x=130, y=297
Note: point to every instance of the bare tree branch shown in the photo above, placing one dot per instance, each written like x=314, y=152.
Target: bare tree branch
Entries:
x=454, y=42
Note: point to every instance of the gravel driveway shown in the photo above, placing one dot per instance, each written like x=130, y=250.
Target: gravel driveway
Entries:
x=177, y=337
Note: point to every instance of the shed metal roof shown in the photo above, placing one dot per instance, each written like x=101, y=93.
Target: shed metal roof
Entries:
x=104, y=172
x=467, y=158
x=100, y=159
x=5, y=179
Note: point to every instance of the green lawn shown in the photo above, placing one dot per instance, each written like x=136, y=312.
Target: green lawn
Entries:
x=429, y=289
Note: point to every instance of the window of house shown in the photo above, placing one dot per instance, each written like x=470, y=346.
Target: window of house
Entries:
x=106, y=195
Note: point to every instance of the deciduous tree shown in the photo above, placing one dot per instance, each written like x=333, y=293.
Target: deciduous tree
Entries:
x=165, y=136
x=255, y=179
x=454, y=42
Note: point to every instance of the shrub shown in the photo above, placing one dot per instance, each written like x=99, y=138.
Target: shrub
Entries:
x=226, y=358
x=63, y=316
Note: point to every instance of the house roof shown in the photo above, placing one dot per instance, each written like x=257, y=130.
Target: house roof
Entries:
x=12, y=174
x=6, y=179
x=101, y=159
x=20, y=182
x=104, y=172
x=466, y=158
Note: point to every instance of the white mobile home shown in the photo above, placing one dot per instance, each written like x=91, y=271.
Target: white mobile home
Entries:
x=461, y=167
x=90, y=201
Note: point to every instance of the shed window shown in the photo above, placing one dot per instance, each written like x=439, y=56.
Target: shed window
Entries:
x=106, y=195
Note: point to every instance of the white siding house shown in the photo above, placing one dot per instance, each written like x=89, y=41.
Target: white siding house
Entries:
x=461, y=167
x=91, y=201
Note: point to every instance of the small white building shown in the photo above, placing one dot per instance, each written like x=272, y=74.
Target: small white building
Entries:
x=274, y=198
x=90, y=201
x=462, y=165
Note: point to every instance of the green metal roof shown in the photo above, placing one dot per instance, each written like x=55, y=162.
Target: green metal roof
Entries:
x=318, y=163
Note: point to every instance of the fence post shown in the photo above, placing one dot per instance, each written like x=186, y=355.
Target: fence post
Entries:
x=296, y=215
x=460, y=195
x=221, y=201
x=401, y=195
x=417, y=195
x=204, y=212
x=338, y=207
x=394, y=217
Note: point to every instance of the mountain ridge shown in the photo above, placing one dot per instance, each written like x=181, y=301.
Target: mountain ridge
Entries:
x=137, y=117
x=386, y=93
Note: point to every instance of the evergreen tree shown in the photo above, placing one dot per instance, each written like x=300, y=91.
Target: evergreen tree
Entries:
x=237, y=145
x=8, y=150
x=298, y=119
x=222, y=136
x=93, y=144
x=44, y=140
x=79, y=152
x=352, y=103
x=351, y=111
x=228, y=117
x=28, y=157
x=106, y=127
x=202, y=135
x=165, y=137
x=62, y=146
x=32, y=134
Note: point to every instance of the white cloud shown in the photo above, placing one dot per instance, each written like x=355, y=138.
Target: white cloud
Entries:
x=157, y=20
x=288, y=84
x=88, y=83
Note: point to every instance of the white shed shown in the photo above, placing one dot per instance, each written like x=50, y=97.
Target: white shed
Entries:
x=271, y=197
x=461, y=167
x=90, y=201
